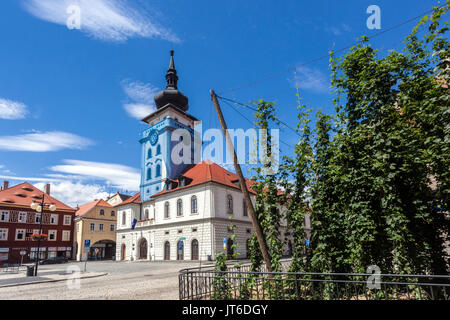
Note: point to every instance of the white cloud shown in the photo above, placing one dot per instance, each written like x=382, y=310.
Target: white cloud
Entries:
x=43, y=142
x=15, y=178
x=138, y=111
x=12, y=110
x=75, y=193
x=311, y=79
x=108, y=20
x=115, y=175
x=142, y=95
x=78, y=182
x=337, y=30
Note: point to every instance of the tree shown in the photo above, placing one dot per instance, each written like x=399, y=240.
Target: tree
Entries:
x=373, y=203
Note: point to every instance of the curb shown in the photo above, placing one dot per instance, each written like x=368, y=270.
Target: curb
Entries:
x=48, y=281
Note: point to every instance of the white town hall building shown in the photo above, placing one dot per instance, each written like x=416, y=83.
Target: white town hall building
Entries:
x=183, y=211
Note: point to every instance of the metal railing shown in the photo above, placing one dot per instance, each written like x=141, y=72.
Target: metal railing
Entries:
x=207, y=284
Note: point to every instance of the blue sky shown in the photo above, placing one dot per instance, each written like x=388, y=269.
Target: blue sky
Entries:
x=70, y=99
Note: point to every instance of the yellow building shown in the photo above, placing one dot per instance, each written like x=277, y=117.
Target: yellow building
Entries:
x=95, y=231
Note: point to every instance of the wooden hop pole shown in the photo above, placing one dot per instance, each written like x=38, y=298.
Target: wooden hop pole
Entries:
x=256, y=226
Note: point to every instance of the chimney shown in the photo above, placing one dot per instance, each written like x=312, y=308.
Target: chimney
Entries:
x=5, y=185
x=47, y=188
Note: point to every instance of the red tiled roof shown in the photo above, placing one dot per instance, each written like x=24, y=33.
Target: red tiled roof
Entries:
x=85, y=208
x=208, y=171
x=24, y=194
x=134, y=199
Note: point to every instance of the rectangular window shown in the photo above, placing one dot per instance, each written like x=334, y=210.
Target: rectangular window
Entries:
x=111, y=227
x=33, y=255
x=3, y=234
x=92, y=226
x=5, y=216
x=22, y=217
x=37, y=218
x=54, y=219
x=20, y=234
x=66, y=235
x=3, y=256
x=52, y=235
x=101, y=226
x=67, y=220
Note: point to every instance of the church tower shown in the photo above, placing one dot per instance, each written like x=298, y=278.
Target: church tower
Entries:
x=158, y=141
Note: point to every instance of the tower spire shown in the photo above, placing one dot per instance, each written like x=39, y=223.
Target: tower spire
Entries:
x=171, y=95
x=171, y=76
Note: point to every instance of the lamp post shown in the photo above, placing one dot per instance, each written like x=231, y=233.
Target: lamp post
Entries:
x=39, y=207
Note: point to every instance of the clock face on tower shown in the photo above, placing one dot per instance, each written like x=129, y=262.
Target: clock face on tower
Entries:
x=153, y=137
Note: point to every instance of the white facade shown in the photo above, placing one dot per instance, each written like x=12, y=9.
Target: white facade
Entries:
x=208, y=226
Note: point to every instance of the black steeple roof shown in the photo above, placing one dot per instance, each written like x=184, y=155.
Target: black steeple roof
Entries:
x=171, y=95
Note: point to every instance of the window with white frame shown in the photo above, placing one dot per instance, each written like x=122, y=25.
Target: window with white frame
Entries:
x=92, y=227
x=54, y=219
x=67, y=220
x=37, y=218
x=66, y=235
x=20, y=234
x=101, y=226
x=179, y=207
x=166, y=210
x=4, y=216
x=22, y=217
x=193, y=204
x=52, y=235
x=124, y=218
x=3, y=234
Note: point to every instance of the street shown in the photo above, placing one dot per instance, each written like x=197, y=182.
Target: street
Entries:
x=125, y=280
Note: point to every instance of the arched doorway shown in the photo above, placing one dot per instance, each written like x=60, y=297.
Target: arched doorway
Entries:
x=180, y=250
x=102, y=250
x=143, y=247
x=230, y=249
x=167, y=250
x=194, y=250
x=123, y=251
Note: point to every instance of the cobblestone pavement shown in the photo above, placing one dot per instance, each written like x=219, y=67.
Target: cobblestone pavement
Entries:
x=125, y=280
